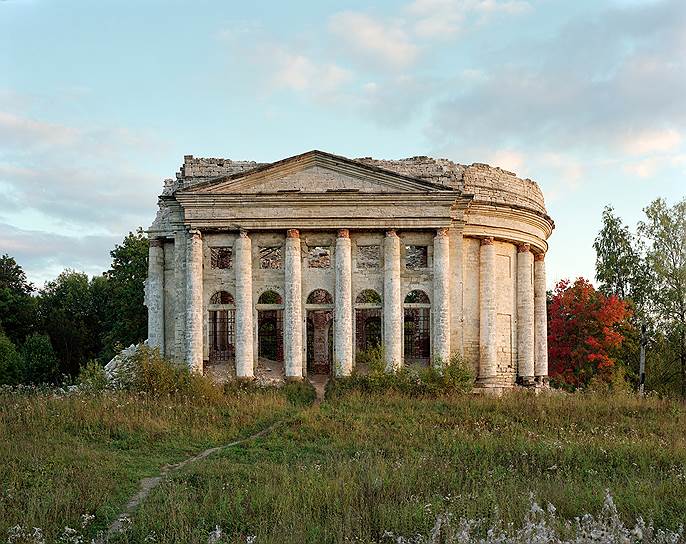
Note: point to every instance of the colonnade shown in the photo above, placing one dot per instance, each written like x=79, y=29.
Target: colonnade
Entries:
x=531, y=321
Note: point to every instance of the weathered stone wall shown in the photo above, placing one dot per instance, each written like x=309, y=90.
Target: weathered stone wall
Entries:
x=506, y=304
x=197, y=169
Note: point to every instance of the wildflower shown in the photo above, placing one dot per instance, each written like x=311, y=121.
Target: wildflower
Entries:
x=215, y=536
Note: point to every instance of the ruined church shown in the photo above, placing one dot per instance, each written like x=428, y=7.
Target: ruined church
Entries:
x=310, y=262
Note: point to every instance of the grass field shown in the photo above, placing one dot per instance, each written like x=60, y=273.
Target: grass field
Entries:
x=349, y=470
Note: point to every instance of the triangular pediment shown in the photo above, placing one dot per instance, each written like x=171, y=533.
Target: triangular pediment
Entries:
x=315, y=172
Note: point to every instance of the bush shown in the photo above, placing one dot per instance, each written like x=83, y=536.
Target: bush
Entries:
x=11, y=363
x=453, y=378
x=92, y=378
x=372, y=359
x=300, y=393
x=147, y=371
x=40, y=362
x=612, y=381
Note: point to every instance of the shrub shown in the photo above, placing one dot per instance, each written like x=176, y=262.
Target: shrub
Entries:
x=301, y=393
x=454, y=378
x=372, y=359
x=147, y=371
x=92, y=377
x=40, y=362
x=10, y=362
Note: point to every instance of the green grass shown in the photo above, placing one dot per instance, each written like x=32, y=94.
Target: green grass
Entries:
x=348, y=470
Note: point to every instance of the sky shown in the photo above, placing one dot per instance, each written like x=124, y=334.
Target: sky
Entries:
x=100, y=101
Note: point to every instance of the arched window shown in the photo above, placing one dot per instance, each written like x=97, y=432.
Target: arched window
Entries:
x=222, y=297
x=320, y=296
x=417, y=327
x=417, y=297
x=368, y=296
x=270, y=297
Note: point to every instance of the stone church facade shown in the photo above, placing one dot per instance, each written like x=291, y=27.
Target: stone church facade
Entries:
x=310, y=261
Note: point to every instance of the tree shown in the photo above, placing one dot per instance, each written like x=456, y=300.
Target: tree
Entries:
x=40, y=362
x=127, y=314
x=617, y=262
x=665, y=233
x=585, y=331
x=17, y=306
x=66, y=312
x=10, y=362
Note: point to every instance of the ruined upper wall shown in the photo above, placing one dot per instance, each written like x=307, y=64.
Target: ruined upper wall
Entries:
x=197, y=169
x=485, y=182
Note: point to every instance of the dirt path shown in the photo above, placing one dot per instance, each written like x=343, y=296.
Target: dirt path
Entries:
x=319, y=383
x=148, y=484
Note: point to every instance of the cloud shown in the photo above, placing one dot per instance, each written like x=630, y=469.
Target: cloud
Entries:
x=371, y=40
x=441, y=19
x=650, y=141
x=298, y=72
x=44, y=255
x=619, y=89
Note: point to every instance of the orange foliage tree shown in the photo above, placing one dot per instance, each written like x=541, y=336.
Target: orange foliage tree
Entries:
x=585, y=330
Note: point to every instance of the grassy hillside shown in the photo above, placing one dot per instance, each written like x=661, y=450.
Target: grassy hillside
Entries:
x=352, y=469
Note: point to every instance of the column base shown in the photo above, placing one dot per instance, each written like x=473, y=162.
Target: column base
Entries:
x=526, y=381
x=294, y=379
x=488, y=382
x=245, y=379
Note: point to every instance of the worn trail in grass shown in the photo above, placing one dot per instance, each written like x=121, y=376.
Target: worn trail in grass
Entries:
x=354, y=468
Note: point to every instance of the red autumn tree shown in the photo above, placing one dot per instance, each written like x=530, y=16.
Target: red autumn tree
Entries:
x=585, y=331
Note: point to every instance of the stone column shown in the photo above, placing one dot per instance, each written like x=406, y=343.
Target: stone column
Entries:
x=293, y=322
x=488, y=362
x=194, y=343
x=540, y=320
x=441, y=303
x=180, y=298
x=456, y=287
x=392, y=303
x=525, y=315
x=244, y=307
x=343, y=324
x=154, y=294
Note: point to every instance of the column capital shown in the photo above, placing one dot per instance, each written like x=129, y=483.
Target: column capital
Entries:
x=539, y=257
x=343, y=233
x=156, y=242
x=487, y=241
x=524, y=248
x=390, y=233
x=292, y=233
x=443, y=231
x=243, y=233
x=193, y=233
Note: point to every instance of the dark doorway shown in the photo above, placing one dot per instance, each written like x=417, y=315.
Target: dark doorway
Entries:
x=222, y=335
x=367, y=328
x=319, y=341
x=270, y=334
x=417, y=342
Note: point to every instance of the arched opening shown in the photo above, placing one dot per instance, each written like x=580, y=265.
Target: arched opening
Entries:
x=368, y=321
x=319, y=310
x=222, y=327
x=270, y=326
x=417, y=328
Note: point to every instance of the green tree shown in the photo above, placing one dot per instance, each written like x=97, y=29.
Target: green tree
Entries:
x=17, y=306
x=40, y=362
x=127, y=315
x=10, y=362
x=665, y=233
x=66, y=312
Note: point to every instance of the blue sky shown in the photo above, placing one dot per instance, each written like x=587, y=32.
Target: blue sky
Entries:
x=99, y=101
